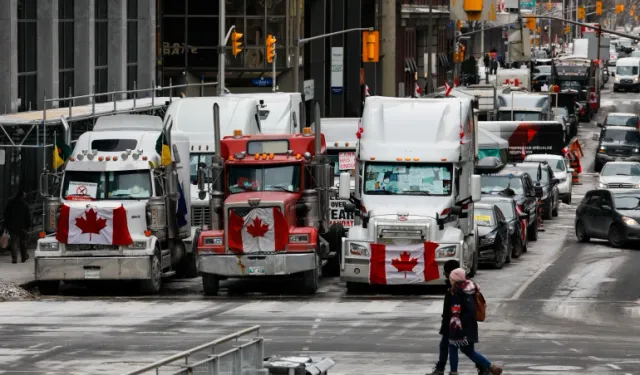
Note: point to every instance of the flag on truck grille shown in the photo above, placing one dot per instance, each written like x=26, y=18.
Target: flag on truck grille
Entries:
x=95, y=226
x=263, y=229
x=163, y=149
x=403, y=264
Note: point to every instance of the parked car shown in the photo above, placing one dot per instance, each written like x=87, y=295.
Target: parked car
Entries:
x=621, y=119
x=493, y=232
x=543, y=177
x=620, y=175
x=608, y=214
x=523, y=191
x=561, y=171
x=617, y=143
x=516, y=219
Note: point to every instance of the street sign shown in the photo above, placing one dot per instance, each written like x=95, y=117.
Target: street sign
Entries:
x=337, y=70
x=473, y=10
x=262, y=82
x=309, y=88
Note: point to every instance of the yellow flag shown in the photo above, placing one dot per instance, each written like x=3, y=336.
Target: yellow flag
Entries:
x=57, y=160
x=166, y=155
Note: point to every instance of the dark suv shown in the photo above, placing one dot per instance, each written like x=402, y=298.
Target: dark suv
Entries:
x=543, y=176
x=518, y=185
x=617, y=143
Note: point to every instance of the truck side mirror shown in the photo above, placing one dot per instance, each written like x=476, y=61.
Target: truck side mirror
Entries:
x=539, y=192
x=344, y=189
x=476, y=188
x=201, y=177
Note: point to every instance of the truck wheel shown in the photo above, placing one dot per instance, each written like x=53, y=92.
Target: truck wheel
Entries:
x=49, y=288
x=210, y=284
x=188, y=268
x=334, y=237
x=354, y=288
x=532, y=232
x=154, y=283
x=310, y=280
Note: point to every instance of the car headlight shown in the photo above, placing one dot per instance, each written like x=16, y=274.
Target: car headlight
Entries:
x=298, y=238
x=617, y=79
x=629, y=221
x=602, y=185
x=213, y=241
x=48, y=246
x=486, y=241
x=446, y=252
x=635, y=79
x=563, y=180
x=636, y=150
x=602, y=149
x=138, y=245
x=357, y=249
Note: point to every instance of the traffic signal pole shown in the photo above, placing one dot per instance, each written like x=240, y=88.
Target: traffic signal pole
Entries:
x=221, y=47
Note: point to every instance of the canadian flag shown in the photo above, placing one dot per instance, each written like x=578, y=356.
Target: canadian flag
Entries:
x=263, y=229
x=447, y=88
x=93, y=225
x=396, y=265
x=360, y=129
x=417, y=90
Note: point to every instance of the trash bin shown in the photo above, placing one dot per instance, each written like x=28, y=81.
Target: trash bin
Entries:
x=298, y=365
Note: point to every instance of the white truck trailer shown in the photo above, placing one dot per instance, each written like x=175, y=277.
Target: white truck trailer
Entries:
x=414, y=192
x=120, y=214
x=280, y=112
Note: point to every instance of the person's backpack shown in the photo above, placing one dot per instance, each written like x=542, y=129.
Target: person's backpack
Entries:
x=481, y=307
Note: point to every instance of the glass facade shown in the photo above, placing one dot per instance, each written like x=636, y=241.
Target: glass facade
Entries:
x=132, y=44
x=27, y=55
x=65, y=50
x=101, y=50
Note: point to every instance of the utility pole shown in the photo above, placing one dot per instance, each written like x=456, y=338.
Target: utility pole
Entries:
x=428, y=87
x=598, y=72
x=296, y=47
x=222, y=49
x=388, y=47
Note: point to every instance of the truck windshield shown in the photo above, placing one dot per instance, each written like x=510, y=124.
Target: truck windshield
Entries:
x=408, y=179
x=82, y=185
x=519, y=116
x=496, y=184
x=198, y=160
x=263, y=178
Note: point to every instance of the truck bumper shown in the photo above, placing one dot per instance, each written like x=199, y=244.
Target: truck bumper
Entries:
x=93, y=268
x=256, y=265
x=603, y=158
x=357, y=271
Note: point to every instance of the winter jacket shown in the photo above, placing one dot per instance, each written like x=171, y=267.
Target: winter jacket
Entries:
x=17, y=216
x=446, y=311
x=468, y=313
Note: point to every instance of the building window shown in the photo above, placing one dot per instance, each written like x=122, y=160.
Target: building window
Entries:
x=65, y=51
x=27, y=55
x=132, y=45
x=101, y=51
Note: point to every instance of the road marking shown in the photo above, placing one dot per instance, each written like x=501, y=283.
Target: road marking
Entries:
x=312, y=333
x=315, y=326
x=557, y=343
x=305, y=349
x=533, y=277
x=36, y=345
x=594, y=358
x=318, y=320
x=614, y=366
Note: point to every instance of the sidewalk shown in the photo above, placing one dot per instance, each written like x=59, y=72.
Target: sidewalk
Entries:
x=21, y=274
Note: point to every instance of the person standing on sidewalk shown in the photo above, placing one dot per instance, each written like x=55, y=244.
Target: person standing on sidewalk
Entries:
x=17, y=218
x=463, y=326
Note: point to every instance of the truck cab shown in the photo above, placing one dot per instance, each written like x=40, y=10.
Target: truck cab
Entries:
x=280, y=112
x=522, y=106
x=414, y=192
x=119, y=214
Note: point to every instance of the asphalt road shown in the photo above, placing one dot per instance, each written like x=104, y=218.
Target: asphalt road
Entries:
x=563, y=308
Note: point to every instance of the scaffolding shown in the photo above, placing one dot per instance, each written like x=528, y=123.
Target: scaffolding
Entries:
x=27, y=138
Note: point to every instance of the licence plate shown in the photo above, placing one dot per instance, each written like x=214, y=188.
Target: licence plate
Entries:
x=92, y=274
x=256, y=270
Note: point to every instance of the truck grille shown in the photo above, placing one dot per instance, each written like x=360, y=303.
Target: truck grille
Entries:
x=620, y=186
x=628, y=81
x=244, y=211
x=200, y=216
x=87, y=247
x=616, y=151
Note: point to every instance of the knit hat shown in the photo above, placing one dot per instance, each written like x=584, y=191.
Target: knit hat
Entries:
x=457, y=275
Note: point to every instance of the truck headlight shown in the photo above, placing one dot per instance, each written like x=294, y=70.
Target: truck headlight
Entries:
x=215, y=241
x=356, y=249
x=48, y=246
x=487, y=241
x=138, y=245
x=446, y=252
x=298, y=238
x=629, y=221
x=602, y=185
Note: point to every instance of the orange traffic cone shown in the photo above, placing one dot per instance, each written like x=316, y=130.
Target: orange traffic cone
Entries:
x=577, y=168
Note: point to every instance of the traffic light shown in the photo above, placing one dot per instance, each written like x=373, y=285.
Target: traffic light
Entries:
x=236, y=46
x=459, y=25
x=581, y=12
x=599, y=8
x=370, y=46
x=567, y=29
x=619, y=8
x=531, y=23
x=271, y=48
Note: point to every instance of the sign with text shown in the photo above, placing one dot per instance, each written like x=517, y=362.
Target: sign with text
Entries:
x=309, y=88
x=338, y=215
x=86, y=189
x=347, y=160
x=337, y=70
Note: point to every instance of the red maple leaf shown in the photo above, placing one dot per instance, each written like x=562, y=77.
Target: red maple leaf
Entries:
x=257, y=228
x=91, y=223
x=404, y=263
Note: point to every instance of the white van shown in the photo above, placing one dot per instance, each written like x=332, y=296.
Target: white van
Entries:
x=627, y=74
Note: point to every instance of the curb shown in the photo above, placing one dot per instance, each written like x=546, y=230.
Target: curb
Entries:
x=28, y=285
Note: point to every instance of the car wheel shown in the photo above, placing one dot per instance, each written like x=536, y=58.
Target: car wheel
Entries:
x=616, y=236
x=518, y=249
x=547, y=212
x=555, y=207
x=210, y=284
x=500, y=251
x=532, y=233
x=567, y=200
x=581, y=232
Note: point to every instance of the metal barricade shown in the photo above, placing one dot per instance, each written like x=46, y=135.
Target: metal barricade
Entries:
x=243, y=358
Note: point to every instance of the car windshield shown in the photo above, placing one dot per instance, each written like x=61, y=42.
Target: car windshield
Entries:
x=622, y=121
x=279, y=177
x=507, y=209
x=532, y=170
x=83, y=185
x=627, y=201
x=484, y=217
x=348, y=159
x=626, y=70
x=543, y=69
x=519, y=116
x=621, y=135
x=493, y=184
x=613, y=169
x=408, y=179
x=198, y=160
x=635, y=54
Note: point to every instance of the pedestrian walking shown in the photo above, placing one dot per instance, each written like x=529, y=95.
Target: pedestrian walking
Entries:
x=449, y=266
x=17, y=219
x=463, y=325
x=487, y=62
x=494, y=66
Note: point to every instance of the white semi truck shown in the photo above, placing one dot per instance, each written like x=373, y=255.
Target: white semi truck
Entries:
x=120, y=214
x=414, y=192
x=280, y=112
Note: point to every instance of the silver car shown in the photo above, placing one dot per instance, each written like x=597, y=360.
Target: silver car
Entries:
x=620, y=175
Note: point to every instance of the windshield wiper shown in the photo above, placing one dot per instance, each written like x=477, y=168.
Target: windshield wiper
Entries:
x=119, y=195
x=379, y=192
x=413, y=192
x=279, y=188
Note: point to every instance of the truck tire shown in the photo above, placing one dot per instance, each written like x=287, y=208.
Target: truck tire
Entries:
x=355, y=288
x=210, y=284
x=153, y=285
x=49, y=288
x=310, y=279
x=334, y=237
x=188, y=267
